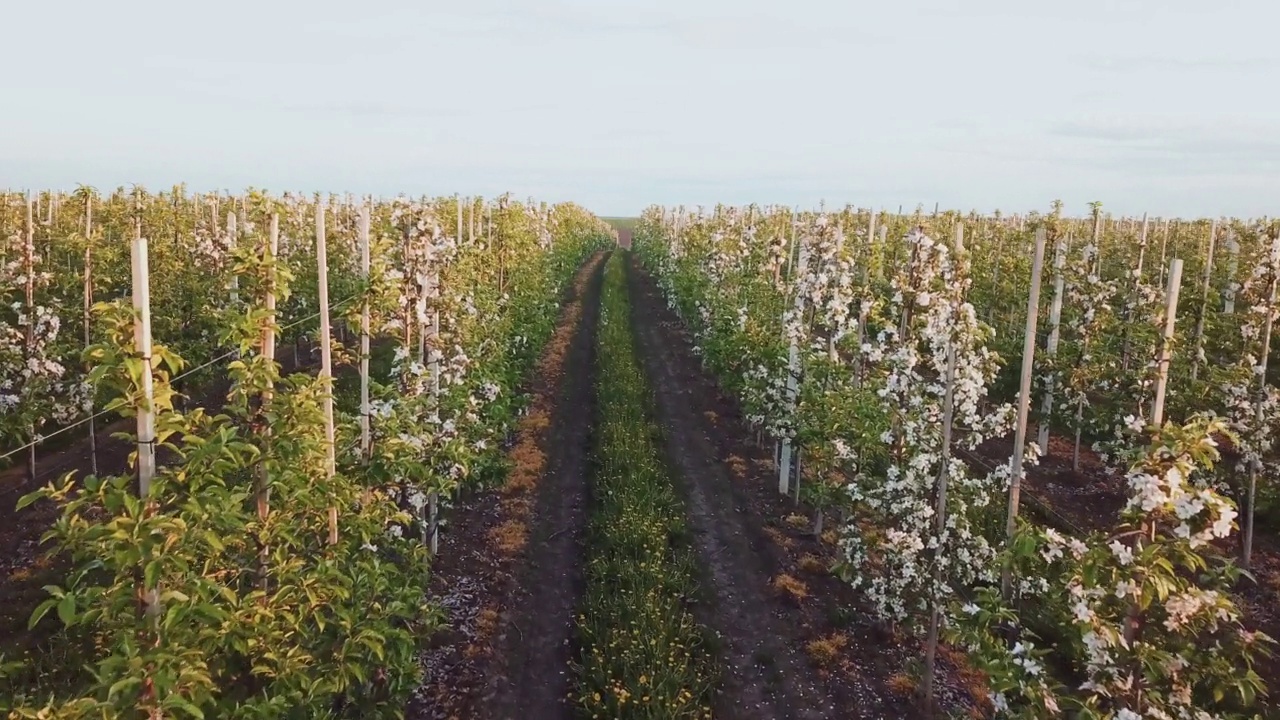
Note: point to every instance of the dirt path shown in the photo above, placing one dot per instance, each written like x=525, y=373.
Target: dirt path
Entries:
x=783, y=653
x=510, y=570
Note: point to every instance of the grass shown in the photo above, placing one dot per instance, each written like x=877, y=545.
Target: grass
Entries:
x=642, y=653
x=826, y=651
x=622, y=223
x=791, y=587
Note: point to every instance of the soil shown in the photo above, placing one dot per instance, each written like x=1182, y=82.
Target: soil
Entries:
x=509, y=572
x=794, y=640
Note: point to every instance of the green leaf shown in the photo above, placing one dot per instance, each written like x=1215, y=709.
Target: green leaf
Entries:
x=121, y=685
x=30, y=497
x=184, y=704
x=41, y=610
x=151, y=574
x=67, y=610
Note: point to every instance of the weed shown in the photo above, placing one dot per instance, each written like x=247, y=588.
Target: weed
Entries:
x=791, y=587
x=825, y=651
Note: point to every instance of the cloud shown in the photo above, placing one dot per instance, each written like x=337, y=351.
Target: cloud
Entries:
x=381, y=109
x=1172, y=63
x=1172, y=146
x=754, y=31
x=569, y=18
x=757, y=32
x=1112, y=130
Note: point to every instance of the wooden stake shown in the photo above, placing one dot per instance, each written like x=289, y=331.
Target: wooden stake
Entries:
x=1233, y=266
x=88, y=317
x=1255, y=467
x=1024, y=397
x=1142, y=248
x=1166, y=347
x=1097, y=242
x=29, y=280
x=433, y=367
x=875, y=251
x=146, y=420
x=232, y=229
x=940, y=522
x=1051, y=346
x=1136, y=281
x=1164, y=247
x=326, y=363
x=1204, y=304
x=793, y=369
x=366, y=442
x=269, y=355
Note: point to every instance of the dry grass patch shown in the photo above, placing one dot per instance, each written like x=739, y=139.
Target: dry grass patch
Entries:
x=812, y=564
x=902, y=685
x=510, y=537
x=474, y=651
x=487, y=622
x=791, y=587
x=825, y=651
x=973, y=681
x=780, y=538
x=797, y=521
x=737, y=466
x=528, y=464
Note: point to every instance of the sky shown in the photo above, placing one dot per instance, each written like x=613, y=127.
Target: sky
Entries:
x=1161, y=106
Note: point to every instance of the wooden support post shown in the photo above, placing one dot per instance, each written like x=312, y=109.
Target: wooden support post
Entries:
x=874, y=250
x=1024, y=396
x=1097, y=242
x=88, y=319
x=232, y=229
x=433, y=372
x=146, y=419
x=1196, y=358
x=263, y=492
x=940, y=523
x=1164, y=248
x=1255, y=467
x=146, y=415
x=1135, y=283
x=1233, y=267
x=793, y=371
x=366, y=442
x=326, y=363
x=1051, y=346
x=1166, y=346
x=29, y=282
x=1142, y=248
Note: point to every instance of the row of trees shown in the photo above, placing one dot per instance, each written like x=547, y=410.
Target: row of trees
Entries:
x=884, y=350
x=268, y=556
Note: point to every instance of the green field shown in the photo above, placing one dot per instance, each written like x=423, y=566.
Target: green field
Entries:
x=622, y=223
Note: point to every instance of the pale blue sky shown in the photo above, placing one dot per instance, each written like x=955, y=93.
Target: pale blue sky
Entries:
x=1167, y=106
